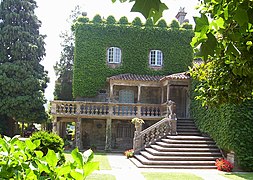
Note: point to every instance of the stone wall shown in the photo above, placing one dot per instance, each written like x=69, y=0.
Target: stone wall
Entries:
x=93, y=133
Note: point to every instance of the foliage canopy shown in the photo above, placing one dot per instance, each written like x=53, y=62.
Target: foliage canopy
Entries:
x=22, y=77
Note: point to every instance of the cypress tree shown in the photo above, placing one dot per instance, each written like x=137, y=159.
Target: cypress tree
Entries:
x=22, y=77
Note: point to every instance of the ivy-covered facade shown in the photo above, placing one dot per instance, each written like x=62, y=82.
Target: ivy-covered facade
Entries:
x=124, y=70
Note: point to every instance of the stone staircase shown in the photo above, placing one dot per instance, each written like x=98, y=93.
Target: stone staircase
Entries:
x=188, y=150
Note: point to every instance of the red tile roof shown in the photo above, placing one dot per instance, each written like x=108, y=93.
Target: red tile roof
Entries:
x=179, y=76
x=135, y=77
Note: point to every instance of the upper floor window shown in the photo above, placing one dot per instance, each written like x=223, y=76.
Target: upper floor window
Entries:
x=114, y=55
x=156, y=58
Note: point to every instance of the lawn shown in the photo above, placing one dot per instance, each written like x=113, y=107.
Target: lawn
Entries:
x=98, y=157
x=239, y=176
x=169, y=176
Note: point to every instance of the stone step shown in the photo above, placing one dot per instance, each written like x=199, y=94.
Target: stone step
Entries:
x=146, y=161
x=187, y=141
x=189, y=133
x=186, y=127
x=160, y=153
x=187, y=130
x=185, y=123
x=168, y=145
x=188, y=149
x=176, y=158
x=193, y=138
x=140, y=165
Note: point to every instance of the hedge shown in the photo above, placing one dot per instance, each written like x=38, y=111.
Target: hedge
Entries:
x=231, y=126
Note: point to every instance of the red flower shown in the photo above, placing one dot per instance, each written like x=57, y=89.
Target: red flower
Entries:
x=223, y=165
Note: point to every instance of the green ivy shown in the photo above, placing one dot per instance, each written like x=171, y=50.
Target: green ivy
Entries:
x=231, y=126
x=93, y=39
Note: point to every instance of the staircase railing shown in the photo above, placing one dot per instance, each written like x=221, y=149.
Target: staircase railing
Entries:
x=168, y=125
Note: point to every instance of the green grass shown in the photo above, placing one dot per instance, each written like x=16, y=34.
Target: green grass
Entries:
x=169, y=176
x=98, y=157
x=95, y=176
x=103, y=161
x=239, y=176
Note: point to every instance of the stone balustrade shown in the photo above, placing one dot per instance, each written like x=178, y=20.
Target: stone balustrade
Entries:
x=106, y=109
x=167, y=125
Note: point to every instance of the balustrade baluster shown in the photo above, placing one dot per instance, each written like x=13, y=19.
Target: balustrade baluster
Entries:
x=135, y=110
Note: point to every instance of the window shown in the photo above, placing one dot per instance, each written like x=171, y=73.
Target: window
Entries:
x=156, y=58
x=114, y=55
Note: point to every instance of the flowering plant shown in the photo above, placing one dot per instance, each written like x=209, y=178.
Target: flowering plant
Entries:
x=137, y=120
x=129, y=153
x=223, y=165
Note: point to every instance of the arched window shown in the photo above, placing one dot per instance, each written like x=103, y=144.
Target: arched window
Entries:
x=114, y=55
x=155, y=58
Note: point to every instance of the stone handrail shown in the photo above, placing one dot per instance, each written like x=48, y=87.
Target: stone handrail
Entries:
x=157, y=131
x=72, y=108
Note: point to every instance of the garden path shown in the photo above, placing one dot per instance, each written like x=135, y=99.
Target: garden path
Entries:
x=124, y=169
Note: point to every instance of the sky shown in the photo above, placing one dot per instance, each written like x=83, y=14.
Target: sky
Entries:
x=54, y=15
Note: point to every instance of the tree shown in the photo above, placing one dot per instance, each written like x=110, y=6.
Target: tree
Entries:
x=22, y=77
x=223, y=39
x=64, y=67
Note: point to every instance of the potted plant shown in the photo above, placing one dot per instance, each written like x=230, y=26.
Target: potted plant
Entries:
x=129, y=153
x=137, y=123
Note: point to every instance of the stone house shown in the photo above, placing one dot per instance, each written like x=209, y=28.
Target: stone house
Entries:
x=124, y=70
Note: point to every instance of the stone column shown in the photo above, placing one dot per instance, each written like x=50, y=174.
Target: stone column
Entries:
x=108, y=139
x=78, y=134
x=162, y=94
x=55, y=125
x=139, y=94
x=111, y=93
x=188, y=101
x=168, y=92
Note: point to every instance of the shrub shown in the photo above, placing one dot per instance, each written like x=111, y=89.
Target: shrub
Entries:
x=97, y=19
x=162, y=23
x=21, y=160
x=137, y=22
x=174, y=24
x=123, y=20
x=49, y=141
x=149, y=23
x=110, y=20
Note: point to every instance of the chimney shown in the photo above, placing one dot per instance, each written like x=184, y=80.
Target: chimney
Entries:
x=181, y=15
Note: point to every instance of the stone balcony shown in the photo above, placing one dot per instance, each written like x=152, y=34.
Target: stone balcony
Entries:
x=104, y=110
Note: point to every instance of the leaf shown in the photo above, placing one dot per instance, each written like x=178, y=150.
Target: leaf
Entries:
x=42, y=166
x=87, y=155
x=76, y=175
x=78, y=158
x=226, y=13
x=39, y=154
x=63, y=170
x=30, y=145
x=90, y=167
x=232, y=49
x=157, y=14
x=145, y=6
x=241, y=16
x=51, y=158
x=202, y=24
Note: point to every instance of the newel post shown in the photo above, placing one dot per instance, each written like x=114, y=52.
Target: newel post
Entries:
x=171, y=112
x=137, y=141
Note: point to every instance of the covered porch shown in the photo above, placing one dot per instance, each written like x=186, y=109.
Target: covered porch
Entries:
x=107, y=124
